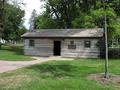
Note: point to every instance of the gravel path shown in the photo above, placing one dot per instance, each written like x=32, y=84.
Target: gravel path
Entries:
x=6, y=66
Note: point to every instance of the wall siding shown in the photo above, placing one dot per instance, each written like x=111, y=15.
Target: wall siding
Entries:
x=80, y=50
x=44, y=47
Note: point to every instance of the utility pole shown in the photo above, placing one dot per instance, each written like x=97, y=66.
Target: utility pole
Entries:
x=106, y=41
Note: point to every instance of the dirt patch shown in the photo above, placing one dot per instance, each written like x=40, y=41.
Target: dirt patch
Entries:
x=112, y=80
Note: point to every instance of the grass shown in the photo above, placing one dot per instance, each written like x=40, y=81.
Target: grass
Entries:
x=59, y=75
x=13, y=53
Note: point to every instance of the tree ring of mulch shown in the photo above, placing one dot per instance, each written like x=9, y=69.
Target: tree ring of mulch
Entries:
x=99, y=78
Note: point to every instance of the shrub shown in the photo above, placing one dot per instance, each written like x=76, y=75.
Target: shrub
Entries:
x=114, y=53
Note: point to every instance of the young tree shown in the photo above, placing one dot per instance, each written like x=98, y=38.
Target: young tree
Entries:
x=32, y=20
x=44, y=22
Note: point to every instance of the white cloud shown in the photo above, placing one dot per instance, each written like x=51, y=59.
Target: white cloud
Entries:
x=30, y=5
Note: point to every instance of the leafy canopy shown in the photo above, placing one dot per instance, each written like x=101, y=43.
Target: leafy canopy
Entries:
x=81, y=14
x=13, y=22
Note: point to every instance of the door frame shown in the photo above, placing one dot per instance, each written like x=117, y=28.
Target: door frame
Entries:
x=55, y=53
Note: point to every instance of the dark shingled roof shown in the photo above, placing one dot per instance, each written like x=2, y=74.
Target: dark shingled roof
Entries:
x=64, y=33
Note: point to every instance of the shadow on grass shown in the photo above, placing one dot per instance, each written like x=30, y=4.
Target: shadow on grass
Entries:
x=17, y=49
x=54, y=70
x=58, y=70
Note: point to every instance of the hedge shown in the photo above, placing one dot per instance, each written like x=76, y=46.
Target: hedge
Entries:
x=114, y=53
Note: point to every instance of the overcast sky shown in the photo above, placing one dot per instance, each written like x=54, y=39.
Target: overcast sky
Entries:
x=30, y=5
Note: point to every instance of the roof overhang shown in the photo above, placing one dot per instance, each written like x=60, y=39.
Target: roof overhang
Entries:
x=65, y=33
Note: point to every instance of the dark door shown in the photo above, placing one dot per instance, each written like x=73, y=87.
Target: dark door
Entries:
x=57, y=48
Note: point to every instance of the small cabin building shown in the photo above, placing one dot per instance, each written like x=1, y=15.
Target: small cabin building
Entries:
x=79, y=43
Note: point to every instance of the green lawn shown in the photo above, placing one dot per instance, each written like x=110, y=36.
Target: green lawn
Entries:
x=59, y=75
x=13, y=53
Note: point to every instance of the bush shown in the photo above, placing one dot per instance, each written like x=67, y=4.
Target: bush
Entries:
x=15, y=48
x=114, y=53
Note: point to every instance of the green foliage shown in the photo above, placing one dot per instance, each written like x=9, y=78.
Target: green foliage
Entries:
x=19, y=32
x=116, y=5
x=12, y=22
x=62, y=12
x=114, y=53
x=44, y=22
x=13, y=53
x=2, y=4
x=113, y=24
x=84, y=21
x=81, y=14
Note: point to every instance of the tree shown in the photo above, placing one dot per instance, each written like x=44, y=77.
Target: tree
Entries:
x=63, y=11
x=106, y=40
x=44, y=22
x=84, y=21
x=2, y=6
x=20, y=32
x=12, y=22
x=80, y=14
x=32, y=19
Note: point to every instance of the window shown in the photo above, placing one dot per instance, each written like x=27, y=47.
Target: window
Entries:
x=31, y=43
x=87, y=44
x=71, y=45
x=71, y=42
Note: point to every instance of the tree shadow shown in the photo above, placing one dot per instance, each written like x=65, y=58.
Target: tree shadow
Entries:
x=54, y=70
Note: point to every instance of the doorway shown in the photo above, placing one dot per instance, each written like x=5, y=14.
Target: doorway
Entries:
x=57, y=48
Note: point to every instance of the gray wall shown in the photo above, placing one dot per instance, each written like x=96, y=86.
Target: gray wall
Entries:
x=44, y=47
x=80, y=50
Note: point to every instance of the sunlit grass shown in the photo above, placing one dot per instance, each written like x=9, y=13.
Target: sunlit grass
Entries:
x=13, y=53
x=59, y=75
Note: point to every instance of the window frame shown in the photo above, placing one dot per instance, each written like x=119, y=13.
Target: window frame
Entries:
x=72, y=45
x=87, y=45
x=31, y=43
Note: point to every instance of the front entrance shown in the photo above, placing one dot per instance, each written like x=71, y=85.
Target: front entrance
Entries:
x=57, y=48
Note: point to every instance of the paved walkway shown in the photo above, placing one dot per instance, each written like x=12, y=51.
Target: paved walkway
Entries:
x=6, y=66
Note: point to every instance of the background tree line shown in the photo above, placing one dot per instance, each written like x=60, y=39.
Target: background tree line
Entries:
x=80, y=14
x=60, y=14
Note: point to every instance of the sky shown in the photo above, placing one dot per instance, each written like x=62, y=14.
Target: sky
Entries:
x=29, y=6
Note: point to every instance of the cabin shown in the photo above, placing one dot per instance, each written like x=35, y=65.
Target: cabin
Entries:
x=78, y=43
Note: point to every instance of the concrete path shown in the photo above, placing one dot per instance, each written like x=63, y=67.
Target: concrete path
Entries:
x=6, y=66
